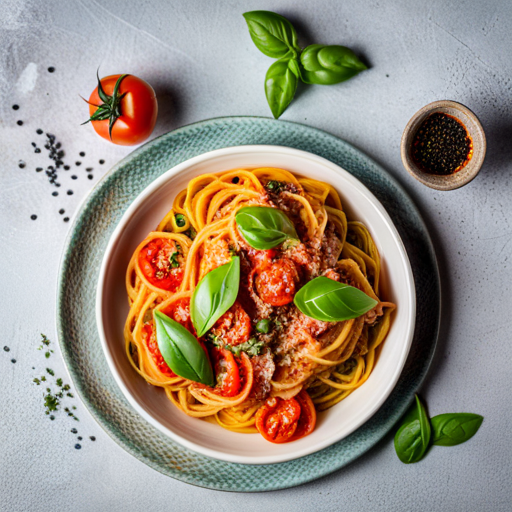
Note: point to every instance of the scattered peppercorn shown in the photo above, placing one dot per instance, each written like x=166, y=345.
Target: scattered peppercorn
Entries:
x=39, y=131
x=79, y=438
x=51, y=69
x=74, y=177
x=78, y=163
x=66, y=219
x=13, y=361
x=61, y=211
x=90, y=176
x=6, y=348
x=74, y=430
x=70, y=192
x=19, y=123
x=33, y=217
x=55, y=194
x=15, y=107
x=82, y=153
x=102, y=162
x=77, y=446
x=39, y=169
x=92, y=438
x=21, y=164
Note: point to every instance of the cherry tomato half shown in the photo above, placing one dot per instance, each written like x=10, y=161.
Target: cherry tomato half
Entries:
x=138, y=110
x=275, y=284
x=277, y=419
x=179, y=311
x=307, y=420
x=234, y=326
x=148, y=335
x=155, y=263
x=227, y=371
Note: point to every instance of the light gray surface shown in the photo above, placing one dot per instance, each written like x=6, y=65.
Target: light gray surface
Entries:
x=202, y=63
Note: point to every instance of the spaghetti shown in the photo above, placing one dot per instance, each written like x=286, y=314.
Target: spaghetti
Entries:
x=274, y=366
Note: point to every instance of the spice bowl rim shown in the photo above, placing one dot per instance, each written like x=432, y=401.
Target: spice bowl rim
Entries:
x=474, y=128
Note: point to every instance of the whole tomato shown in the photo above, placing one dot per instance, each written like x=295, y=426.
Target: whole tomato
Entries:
x=123, y=109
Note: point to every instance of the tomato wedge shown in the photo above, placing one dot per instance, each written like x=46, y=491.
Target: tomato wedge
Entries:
x=282, y=421
x=277, y=419
x=155, y=263
x=148, y=335
x=227, y=372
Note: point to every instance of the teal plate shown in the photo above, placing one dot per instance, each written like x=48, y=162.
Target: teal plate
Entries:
x=80, y=344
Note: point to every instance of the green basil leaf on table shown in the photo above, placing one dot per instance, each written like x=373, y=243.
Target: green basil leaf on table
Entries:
x=181, y=351
x=280, y=85
x=454, y=428
x=330, y=301
x=272, y=34
x=265, y=228
x=413, y=437
x=328, y=65
x=214, y=295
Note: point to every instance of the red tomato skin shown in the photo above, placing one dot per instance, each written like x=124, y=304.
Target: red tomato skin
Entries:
x=232, y=383
x=139, y=110
x=180, y=312
x=277, y=419
x=307, y=420
x=151, y=343
x=275, y=283
x=149, y=255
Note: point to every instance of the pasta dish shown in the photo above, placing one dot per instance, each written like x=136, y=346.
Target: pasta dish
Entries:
x=255, y=302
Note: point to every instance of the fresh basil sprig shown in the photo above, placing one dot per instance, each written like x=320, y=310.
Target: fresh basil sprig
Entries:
x=330, y=301
x=181, y=351
x=454, y=428
x=328, y=65
x=416, y=431
x=265, y=228
x=276, y=37
x=214, y=295
x=413, y=437
x=251, y=347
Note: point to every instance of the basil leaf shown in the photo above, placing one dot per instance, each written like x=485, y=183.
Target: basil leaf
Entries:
x=413, y=437
x=454, y=428
x=272, y=34
x=263, y=227
x=330, y=301
x=327, y=65
x=214, y=295
x=181, y=351
x=280, y=86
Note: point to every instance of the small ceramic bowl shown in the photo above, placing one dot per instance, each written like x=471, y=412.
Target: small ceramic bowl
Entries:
x=151, y=402
x=475, y=130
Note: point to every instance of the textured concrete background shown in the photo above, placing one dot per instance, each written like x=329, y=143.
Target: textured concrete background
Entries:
x=199, y=58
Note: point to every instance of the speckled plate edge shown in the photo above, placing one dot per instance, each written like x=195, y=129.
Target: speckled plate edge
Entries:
x=78, y=275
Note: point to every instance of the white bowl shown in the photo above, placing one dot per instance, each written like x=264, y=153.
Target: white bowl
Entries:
x=212, y=440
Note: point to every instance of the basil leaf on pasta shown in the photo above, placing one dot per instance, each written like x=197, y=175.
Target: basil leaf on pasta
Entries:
x=413, y=437
x=454, y=428
x=263, y=227
x=214, y=295
x=181, y=351
x=330, y=301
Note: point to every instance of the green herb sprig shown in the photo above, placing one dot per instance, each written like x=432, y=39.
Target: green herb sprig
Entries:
x=318, y=64
x=417, y=432
x=251, y=347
